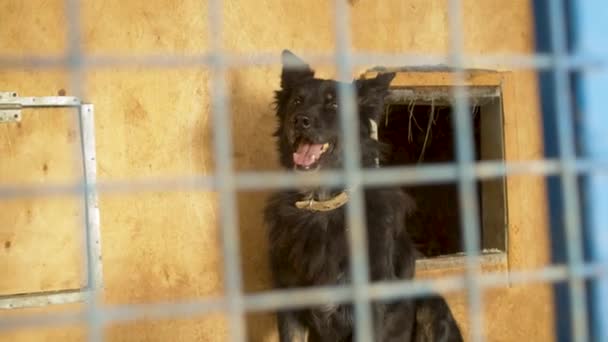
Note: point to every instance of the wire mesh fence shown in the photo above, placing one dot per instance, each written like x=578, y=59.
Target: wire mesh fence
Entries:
x=226, y=181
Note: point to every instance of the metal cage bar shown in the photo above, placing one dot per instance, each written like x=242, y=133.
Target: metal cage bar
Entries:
x=355, y=209
x=224, y=173
x=285, y=299
x=402, y=175
x=95, y=331
x=468, y=202
x=539, y=61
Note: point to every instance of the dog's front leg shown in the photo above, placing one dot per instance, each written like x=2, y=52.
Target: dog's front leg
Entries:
x=378, y=310
x=381, y=265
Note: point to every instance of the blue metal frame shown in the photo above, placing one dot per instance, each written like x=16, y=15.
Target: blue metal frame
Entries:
x=590, y=37
x=584, y=31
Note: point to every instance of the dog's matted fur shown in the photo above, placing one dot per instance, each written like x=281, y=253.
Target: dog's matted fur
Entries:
x=307, y=229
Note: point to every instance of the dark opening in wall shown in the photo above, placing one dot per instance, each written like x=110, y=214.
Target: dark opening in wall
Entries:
x=419, y=128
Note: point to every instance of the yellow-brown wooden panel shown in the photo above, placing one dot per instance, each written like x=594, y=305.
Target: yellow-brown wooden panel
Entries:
x=177, y=237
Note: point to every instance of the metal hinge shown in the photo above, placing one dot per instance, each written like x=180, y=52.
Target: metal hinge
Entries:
x=10, y=110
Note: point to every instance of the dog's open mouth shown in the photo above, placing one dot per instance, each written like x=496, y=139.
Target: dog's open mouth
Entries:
x=308, y=154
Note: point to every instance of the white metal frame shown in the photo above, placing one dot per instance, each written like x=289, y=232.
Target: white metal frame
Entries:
x=12, y=104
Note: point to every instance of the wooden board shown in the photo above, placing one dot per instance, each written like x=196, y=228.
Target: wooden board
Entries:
x=156, y=123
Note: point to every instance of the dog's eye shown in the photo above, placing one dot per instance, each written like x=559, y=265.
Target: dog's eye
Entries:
x=297, y=101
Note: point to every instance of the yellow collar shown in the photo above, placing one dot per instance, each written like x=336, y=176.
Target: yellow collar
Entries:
x=331, y=204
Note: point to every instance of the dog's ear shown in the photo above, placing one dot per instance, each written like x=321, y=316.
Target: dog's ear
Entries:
x=294, y=69
x=372, y=87
x=371, y=93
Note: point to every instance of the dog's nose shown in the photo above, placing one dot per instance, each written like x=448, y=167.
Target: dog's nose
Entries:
x=302, y=121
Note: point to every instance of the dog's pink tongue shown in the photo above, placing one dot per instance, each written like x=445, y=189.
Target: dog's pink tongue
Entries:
x=307, y=154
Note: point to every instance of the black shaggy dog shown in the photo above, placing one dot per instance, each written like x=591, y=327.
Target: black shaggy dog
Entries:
x=308, y=234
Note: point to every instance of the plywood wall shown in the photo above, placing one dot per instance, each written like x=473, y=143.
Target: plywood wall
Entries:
x=155, y=123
